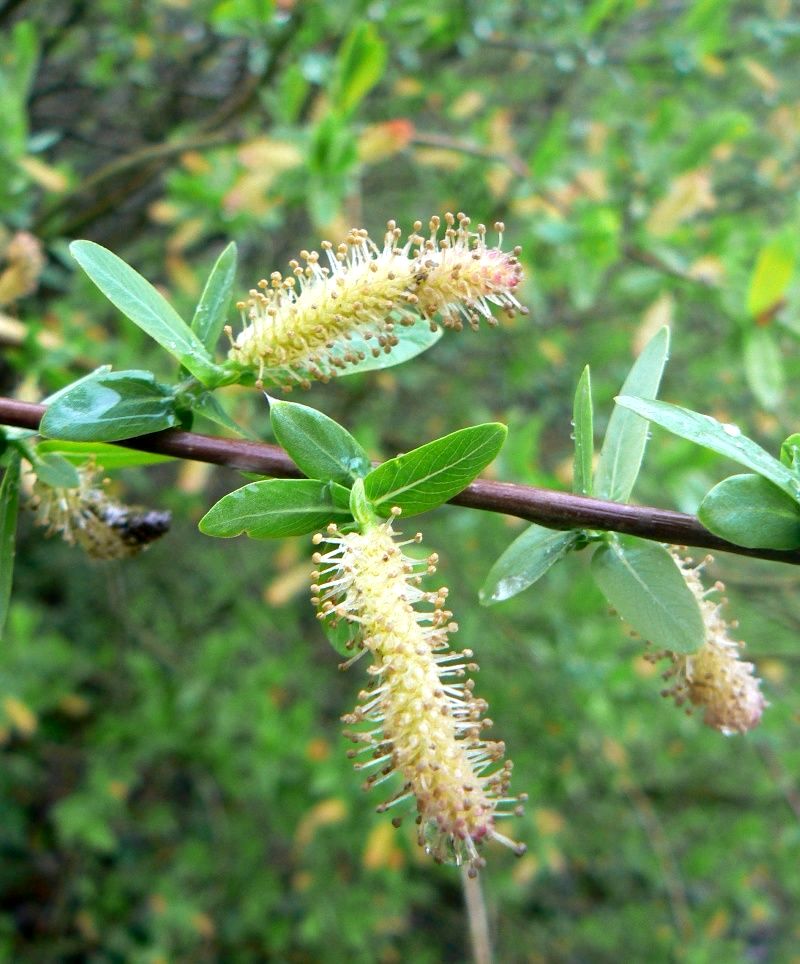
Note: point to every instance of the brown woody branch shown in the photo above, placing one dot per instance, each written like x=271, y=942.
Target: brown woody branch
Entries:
x=557, y=510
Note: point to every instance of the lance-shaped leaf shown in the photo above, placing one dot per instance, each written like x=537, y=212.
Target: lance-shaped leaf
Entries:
x=719, y=437
x=138, y=300
x=626, y=437
x=88, y=377
x=212, y=309
x=527, y=559
x=9, y=510
x=111, y=406
x=413, y=341
x=583, y=428
x=359, y=66
x=54, y=470
x=275, y=508
x=772, y=273
x=109, y=456
x=763, y=367
x=318, y=445
x=790, y=452
x=433, y=473
x=361, y=509
x=209, y=406
x=643, y=583
x=749, y=511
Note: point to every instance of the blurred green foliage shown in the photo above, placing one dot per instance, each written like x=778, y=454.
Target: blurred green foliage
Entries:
x=174, y=786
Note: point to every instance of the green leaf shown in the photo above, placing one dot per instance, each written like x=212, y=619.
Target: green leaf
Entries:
x=583, y=427
x=90, y=377
x=724, y=439
x=626, y=437
x=763, y=366
x=707, y=23
x=551, y=145
x=332, y=154
x=236, y=18
x=9, y=510
x=359, y=66
x=749, y=511
x=361, y=508
x=527, y=559
x=432, y=474
x=207, y=405
x=212, y=309
x=340, y=634
x=790, y=452
x=19, y=52
x=112, y=406
x=109, y=456
x=318, y=445
x=599, y=11
x=55, y=471
x=772, y=274
x=138, y=300
x=643, y=583
x=413, y=341
x=276, y=508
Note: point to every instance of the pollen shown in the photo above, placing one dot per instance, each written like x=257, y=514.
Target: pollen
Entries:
x=300, y=327
x=418, y=718
x=714, y=678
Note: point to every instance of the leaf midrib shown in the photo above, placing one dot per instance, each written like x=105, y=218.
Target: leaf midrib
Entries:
x=419, y=481
x=620, y=555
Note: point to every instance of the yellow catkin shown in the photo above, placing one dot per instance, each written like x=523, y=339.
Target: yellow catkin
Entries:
x=300, y=327
x=714, y=678
x=86, y=517
x=418, y=718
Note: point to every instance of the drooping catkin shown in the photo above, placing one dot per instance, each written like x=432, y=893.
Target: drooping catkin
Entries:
x=714, y=678
x=85, y=516
x=419, y=718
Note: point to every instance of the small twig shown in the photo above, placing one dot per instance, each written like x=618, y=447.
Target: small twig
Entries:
x=656, y=835
x=556, y=510
x=659, y=841
x=476, y=915
x=135, y=160
x=149, y=161
x=651, y=260
x=443, y=142
x=246, y=93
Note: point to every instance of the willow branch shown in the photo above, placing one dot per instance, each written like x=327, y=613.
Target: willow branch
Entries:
x=136, y=160
x=556, y=510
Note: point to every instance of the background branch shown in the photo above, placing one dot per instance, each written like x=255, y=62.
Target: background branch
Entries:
x=557, y=510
